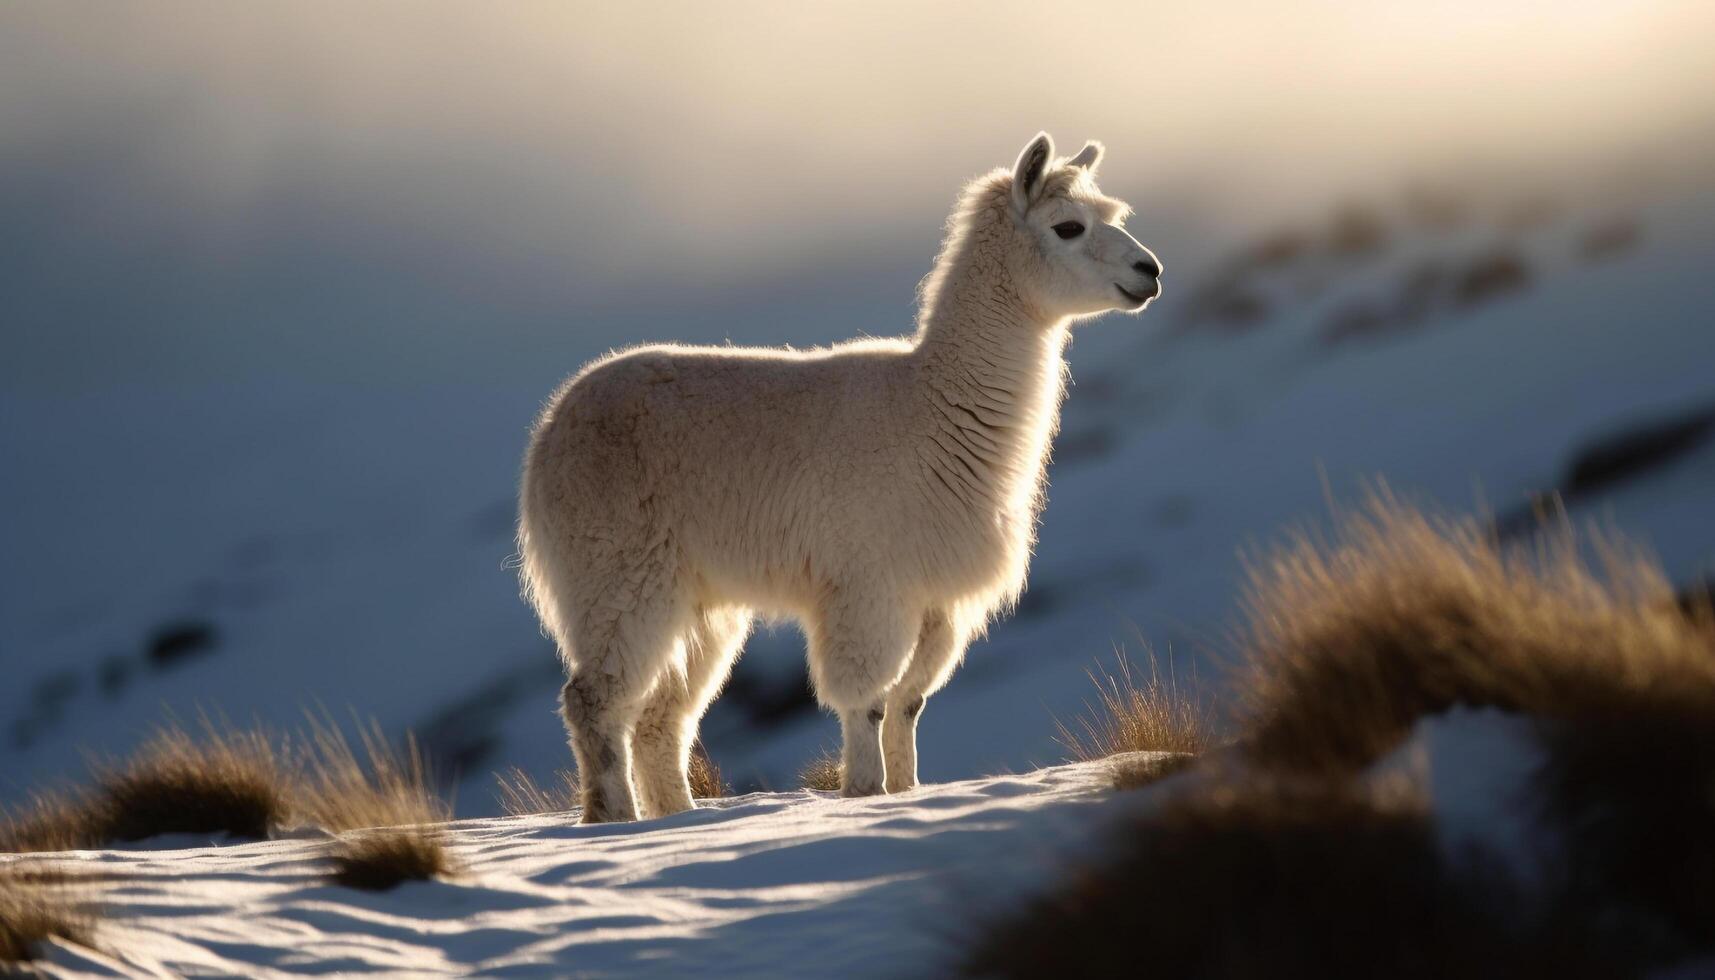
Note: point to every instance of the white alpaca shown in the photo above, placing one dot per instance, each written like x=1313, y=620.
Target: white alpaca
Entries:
x=883, y=492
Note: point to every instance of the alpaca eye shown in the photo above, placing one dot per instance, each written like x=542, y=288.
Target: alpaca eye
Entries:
x=1069, y=229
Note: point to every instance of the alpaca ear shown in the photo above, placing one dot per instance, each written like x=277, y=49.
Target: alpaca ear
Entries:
x=1027, y=172
x=1089, y=157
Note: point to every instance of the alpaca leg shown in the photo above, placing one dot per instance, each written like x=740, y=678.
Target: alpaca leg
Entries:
x=856, y=654
x=939, y=647
x=620, y=653
x=668, y=724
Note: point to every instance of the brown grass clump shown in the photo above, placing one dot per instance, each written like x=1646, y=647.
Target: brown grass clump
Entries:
x=1406, y=617
x=1129, y=717
x=386, y=787
x=521, y=796
x=226, y=781
x=1138, y=771
x=34, y=908
x=822, y=772
x=1274, y=878
x=383, y=806
x=705, y=776
x=53, y=820
x=377, y=860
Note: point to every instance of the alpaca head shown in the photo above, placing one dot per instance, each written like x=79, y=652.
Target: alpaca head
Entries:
x=1074, y=256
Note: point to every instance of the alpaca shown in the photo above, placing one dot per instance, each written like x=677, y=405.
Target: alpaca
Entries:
x=883, y=492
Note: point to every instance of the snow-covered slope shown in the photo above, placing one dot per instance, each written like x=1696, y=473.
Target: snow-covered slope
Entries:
x=800, y=884
x=259, y=548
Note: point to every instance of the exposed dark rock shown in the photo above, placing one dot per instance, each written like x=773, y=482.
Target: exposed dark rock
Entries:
x=1229, y=305
x=1435, y=208
x=1354, y=321
x=1529, y=213
x=1491, y=275
x=1280, y=249
x=1610, y=238
x=177, y=642
x=1627, y=453
x=1611, y=460
x=1357, y=231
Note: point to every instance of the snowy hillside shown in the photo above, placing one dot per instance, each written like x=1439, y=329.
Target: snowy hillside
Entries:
x=797, y=884
x=256, y=550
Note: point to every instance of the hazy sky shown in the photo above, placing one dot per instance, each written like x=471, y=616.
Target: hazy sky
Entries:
x=209, y=188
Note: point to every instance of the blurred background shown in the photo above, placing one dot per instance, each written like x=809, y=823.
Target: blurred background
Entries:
x=282, y=287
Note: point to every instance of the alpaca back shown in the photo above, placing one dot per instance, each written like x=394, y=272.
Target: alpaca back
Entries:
x=766, y=468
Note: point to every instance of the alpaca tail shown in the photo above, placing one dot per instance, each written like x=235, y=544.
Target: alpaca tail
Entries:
x=542, y=574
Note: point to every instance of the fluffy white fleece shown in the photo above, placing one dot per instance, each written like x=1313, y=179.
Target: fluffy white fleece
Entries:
x=883, y=492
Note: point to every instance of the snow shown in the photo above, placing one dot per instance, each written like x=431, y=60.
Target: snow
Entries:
x=787, y=884
x=348, y=542
x=799, y=884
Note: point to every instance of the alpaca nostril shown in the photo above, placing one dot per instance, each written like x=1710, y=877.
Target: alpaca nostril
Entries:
x=1148, y=267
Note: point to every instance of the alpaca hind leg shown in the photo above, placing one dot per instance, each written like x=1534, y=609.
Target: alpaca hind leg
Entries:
x=620, y=654
x=662, y=741
x=939, y=647
x=856, y=654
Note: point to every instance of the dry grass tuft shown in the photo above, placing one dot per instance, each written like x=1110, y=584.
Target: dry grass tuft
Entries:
x=1405, y=617
x=1280, y=878
x=705, y=776
x=521, y=796
x=386, y=787
x=822, y=772
x=226, y=781
x=382, y=804
x=1308, y=873
x=241, y=783
x=1138, y=771
x=34, y=908
x=377, y=860
x=53, y=820
x=1129, y=717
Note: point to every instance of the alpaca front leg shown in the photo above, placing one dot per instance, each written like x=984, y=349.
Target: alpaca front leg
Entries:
x=857, y=651
x=939, y=647
x=899, y=743
x=863, y=772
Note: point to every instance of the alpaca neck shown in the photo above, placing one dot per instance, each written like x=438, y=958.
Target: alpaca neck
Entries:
x=992, y=367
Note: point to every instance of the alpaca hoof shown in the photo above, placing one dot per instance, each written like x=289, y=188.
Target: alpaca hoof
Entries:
x=668, y=811
x=596, y=810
